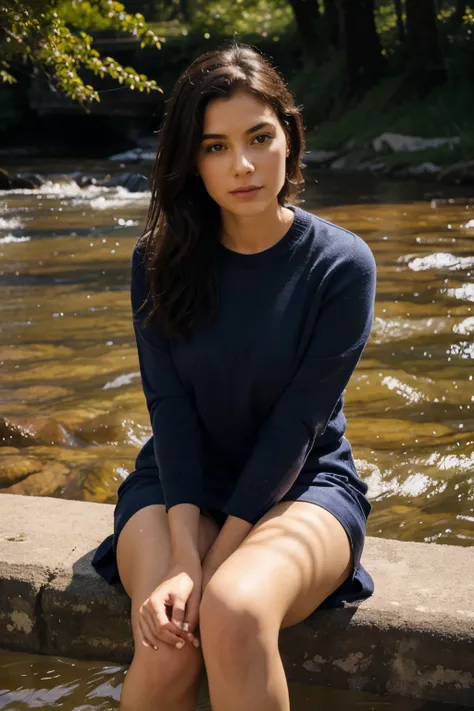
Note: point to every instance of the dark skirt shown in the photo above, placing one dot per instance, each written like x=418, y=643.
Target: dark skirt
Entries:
x=341, y=495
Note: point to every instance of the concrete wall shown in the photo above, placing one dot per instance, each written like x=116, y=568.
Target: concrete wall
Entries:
x=413, y=637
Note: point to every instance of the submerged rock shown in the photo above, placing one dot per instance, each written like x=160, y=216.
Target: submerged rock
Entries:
x=101, y=482
x=461, y=172
x=22, y=430
x=15, y=467
x=133, y=182
x=107, y=427
x=49, y=481
x=14, y=181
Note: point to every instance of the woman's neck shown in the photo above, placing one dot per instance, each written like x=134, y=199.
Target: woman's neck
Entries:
x=255, y=233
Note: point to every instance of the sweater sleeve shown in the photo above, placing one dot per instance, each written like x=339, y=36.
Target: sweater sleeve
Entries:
x=304, y=408
x=176, y=430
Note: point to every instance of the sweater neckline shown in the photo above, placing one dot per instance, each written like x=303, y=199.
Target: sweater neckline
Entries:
x=300, y=225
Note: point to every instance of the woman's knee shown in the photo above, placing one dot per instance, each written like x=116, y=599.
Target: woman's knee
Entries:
x=168, y=672
x=231, y=620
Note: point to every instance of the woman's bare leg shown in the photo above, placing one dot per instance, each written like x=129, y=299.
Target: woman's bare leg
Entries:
x=166, y=679
x=292, y=559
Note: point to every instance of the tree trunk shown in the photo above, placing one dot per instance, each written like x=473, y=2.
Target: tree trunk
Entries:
x=456, y=19
x=363, y=55
x=425, y=59
x=331, y=21
x=400, y=26
x=307, y=18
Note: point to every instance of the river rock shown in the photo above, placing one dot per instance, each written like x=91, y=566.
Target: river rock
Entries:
x=5, y=180
x=14, y=467
x=461, y=172
x=21, y=431
x=135, y=154
x=28, y=181
x=396, y=142
x=101, y=482
x=109, y=427
x=341, y=164
x=320, y=158
x=426, y=168
x=372, y=166
x=36, y=393
x=85, y=180
x=133, y=182
x=49, y=481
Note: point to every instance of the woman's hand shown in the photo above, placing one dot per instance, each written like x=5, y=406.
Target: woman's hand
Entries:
x=209, y=567
x=171, y=612
x=230, y=537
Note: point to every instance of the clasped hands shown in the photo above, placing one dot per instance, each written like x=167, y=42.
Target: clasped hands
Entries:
x=171, y=613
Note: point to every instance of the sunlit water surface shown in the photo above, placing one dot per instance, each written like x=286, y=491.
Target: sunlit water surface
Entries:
x=45, y=683
x=73, y=413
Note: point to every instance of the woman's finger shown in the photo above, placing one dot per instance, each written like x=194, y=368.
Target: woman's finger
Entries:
x=164, y=629
x=178, y=610
x=141, y=637
x=149, y=639
x=192, y=616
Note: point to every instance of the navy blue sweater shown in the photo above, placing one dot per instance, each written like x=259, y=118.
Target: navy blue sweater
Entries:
x=247, y=403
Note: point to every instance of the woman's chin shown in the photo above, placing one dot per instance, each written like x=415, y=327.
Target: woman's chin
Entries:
x=248, y=208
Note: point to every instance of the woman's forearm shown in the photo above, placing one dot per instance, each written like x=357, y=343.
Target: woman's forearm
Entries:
x=231, y=535
x=184, y=529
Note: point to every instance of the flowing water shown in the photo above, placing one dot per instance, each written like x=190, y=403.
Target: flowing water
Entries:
x=48, y=683
x=73, y=413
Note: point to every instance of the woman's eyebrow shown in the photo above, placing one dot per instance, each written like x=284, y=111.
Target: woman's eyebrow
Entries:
x=263, y=124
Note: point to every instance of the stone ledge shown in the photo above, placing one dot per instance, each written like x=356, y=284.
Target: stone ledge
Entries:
x=414, y=637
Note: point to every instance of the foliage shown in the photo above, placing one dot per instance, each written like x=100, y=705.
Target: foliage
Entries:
x=319, y=89
x=34, y=33
x=242, y=17
x=445, y=112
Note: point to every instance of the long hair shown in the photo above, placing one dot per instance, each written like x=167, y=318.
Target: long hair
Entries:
x=181, y=235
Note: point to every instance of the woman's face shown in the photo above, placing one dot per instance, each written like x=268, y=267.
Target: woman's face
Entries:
x=243, y=144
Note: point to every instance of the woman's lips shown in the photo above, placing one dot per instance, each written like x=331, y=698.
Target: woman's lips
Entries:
x=246, y=193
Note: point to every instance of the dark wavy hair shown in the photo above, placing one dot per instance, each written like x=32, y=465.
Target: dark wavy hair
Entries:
x=182, y=230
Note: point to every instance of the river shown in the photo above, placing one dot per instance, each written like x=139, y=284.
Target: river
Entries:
x=73, y=413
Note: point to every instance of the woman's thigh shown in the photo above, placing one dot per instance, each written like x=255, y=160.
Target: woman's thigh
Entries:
x=143, y=560
x=143, y=551
x=143, y=548
x=292, y=559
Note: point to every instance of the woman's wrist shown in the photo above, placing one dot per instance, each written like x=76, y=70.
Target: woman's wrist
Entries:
x=183, y=522
x=184, y=551
x=231, y=535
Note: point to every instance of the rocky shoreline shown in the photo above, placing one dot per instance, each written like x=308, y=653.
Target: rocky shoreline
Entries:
x=390, y=155
x=459, y=173
x=133, y=181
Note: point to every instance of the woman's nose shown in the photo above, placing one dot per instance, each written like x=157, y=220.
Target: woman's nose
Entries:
x=243, y=164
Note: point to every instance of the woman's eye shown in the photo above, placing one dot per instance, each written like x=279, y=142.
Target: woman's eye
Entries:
x=209, y=149
x=264, y=136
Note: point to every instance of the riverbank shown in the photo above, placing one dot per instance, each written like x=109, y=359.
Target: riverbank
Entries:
x=386, y=132
x=414, y=637
x=392, y=156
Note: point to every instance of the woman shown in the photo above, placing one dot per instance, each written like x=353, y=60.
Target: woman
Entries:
x=245, y=512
